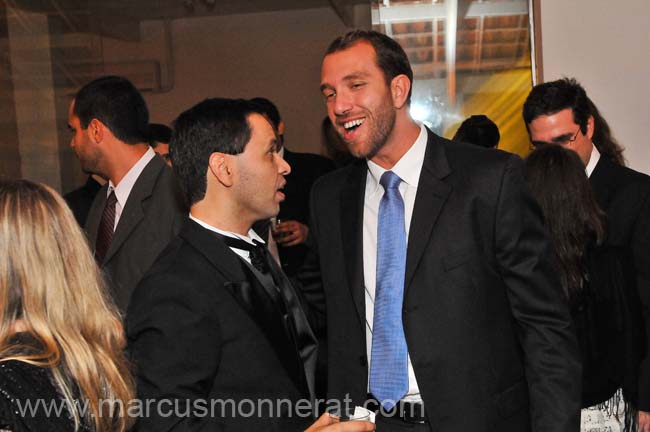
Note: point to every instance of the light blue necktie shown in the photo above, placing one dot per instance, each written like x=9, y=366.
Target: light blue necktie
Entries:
x=388, y=367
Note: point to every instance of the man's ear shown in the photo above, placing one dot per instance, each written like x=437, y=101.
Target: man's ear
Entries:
x=590, y=127
x=96, y=130
x=399, y=89
x=220, y=166
x=281, y=128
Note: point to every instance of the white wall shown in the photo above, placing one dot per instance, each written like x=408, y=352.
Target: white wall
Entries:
x=276, y=55
x=605, y=45
x=34, y=99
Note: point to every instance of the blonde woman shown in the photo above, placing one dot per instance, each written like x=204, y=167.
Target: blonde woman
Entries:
x=62, y=366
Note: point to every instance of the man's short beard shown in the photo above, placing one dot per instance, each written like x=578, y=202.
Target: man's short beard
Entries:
x=379, y=138
x=91, y=166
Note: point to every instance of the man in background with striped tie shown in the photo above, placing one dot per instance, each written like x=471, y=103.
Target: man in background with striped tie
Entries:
x=140, y=208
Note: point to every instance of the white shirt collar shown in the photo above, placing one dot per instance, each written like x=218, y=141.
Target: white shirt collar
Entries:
x=124, y=187
x=408, y=168
x=252, y=235
x=593, y=160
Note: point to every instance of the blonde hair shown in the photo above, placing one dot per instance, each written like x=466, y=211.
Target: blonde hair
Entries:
x=50, y=283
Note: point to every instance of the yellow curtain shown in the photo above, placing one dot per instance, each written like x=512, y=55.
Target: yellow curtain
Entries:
x=503, y=108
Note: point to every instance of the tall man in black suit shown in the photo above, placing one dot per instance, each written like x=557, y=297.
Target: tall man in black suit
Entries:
x=137, y=212
x=560, y=112
x=216, y=326
x=442, y=299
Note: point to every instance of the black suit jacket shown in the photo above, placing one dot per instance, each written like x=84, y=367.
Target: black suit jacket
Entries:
x=609, y=325
x=486, y=322
x=624, y=195
x=80, y=200
x=306, y=168
x=201, y=329
x=152, y=216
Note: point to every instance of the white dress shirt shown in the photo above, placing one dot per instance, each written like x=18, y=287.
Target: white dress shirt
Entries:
x=124, y=187
x=252, y=235
x=593, y=160
x=408, y=169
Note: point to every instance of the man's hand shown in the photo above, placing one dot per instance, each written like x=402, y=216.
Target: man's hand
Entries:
x=290, y=233
x=328, y=423
x=644, y=421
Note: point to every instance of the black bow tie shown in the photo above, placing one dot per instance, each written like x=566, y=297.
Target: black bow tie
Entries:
x=256, y=251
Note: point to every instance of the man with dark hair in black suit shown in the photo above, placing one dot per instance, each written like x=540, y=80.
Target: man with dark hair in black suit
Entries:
x=292, y=232
x=442, y=299
x=479, y=130
x=81, y=199
x=216, y=323
x=159, y=137
x=140, y=208
x=561, y=113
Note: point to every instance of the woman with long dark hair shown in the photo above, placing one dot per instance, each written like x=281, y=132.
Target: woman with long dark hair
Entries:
x=600, y=288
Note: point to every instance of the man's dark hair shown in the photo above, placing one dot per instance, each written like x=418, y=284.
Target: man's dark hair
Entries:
x=214, y=125
x=118, y=104
x=478, y=130
x=556, y=177
x=159, y=133
x=552, y=97
x=269, y=109
x=606, y=144
x=391, y=58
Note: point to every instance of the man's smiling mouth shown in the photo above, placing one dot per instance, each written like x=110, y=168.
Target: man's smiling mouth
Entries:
x=353, y=124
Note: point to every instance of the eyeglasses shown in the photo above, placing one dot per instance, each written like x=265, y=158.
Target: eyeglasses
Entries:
x=563, y=142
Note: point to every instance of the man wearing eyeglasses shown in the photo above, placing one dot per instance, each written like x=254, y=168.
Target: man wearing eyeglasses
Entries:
x=561, y=113
x=554, y=116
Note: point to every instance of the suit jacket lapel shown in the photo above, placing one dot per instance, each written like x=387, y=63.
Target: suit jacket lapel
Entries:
x=304, y=338
x=95, y=216
x=252, y=294
x=132, y=213
x=351, y=213
x=259, y=300
x=600, y=180
x=430, y=197
x=224, y=261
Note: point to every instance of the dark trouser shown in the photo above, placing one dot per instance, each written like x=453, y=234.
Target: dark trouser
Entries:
x=389, y=424
x=405, y=416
